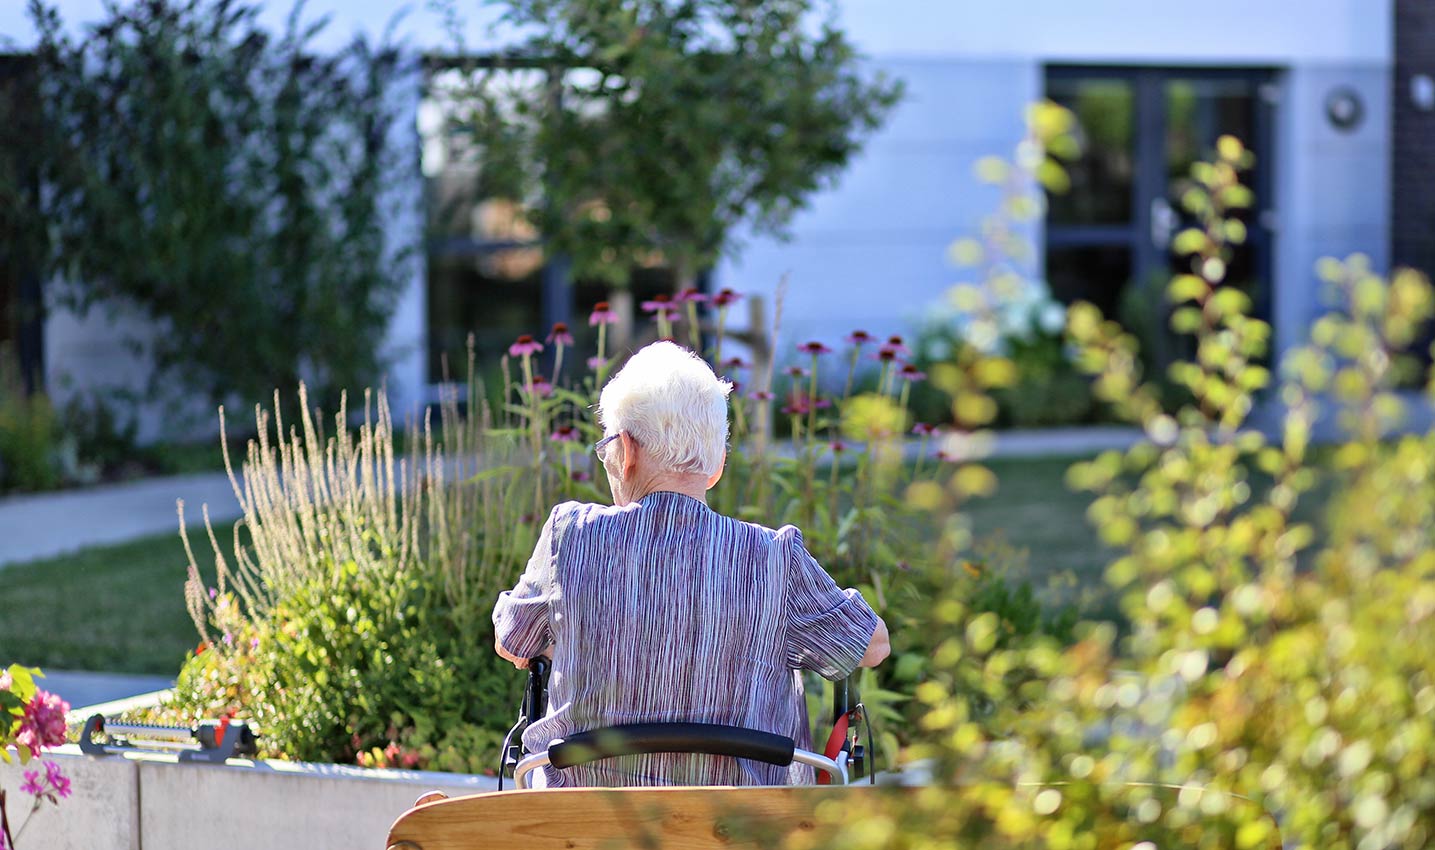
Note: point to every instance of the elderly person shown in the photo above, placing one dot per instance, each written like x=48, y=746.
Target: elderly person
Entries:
x=658, y=609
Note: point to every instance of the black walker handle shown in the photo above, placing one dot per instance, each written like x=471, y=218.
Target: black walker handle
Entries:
x=649, y=738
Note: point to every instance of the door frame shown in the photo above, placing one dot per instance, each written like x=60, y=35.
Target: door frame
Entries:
x=1149, y=179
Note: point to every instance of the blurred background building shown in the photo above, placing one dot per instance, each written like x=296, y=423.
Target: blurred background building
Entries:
x=1335, y=97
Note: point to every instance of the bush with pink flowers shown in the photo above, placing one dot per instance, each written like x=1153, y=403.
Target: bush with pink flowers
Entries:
x=31, y=721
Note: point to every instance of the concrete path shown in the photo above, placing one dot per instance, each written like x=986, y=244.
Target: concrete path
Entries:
x=81, y=690
x=53, y=524
x=50, y=524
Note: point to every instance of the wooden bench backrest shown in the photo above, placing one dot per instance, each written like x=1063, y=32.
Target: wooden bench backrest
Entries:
x=649, y=818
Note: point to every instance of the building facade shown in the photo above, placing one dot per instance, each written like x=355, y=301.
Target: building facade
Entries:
x=1327, y=93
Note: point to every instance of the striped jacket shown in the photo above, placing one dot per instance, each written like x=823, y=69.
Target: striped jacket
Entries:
x=666, y=611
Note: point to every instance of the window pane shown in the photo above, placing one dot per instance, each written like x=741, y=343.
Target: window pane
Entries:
x=1101, y=180
x=1097, y=274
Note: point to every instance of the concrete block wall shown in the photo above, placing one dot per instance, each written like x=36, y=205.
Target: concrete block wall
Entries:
x=154, y=803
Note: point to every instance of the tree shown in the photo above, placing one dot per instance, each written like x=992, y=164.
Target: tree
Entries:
x=227, y=183
x=667, y=124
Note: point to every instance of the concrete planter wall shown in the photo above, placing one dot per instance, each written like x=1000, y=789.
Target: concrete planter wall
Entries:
x=153, y=802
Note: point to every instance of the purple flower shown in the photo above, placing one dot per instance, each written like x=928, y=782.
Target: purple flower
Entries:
x=523, y=346
x=564, y=434
x=560, y=335
x=254, y=643
x=814, y=347
x=690, y=295
x=946, y=458
x=58, y=781
x=596, y=363
x=912, y=373
x=858, y=338
x=886, y=354
x=726, y=297
x=796, y=371
x=922, y=429
x=837, y=447
x=760, y=395
x=602, y=315
x=541, y=386
x=580, y=476
x=32, y=785
x=895, y=343
x=734, y=363
x=213, y=593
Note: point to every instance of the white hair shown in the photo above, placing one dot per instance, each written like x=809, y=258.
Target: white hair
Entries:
x=669, y=400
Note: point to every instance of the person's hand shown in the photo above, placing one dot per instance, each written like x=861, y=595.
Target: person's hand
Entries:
x=519, y=662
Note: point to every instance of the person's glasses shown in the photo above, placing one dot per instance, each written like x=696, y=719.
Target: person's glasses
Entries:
x=598, y=446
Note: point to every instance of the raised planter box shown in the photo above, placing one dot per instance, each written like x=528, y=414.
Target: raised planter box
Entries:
x=151, y=801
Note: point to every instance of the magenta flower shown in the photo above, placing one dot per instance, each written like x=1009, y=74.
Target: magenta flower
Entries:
x=564, y=434
x=734, y=363
x=837, y=447
x=524, y=345
x=580, y=476
x=814, y=348
x=44, y=722
x=560, y=335
x=690, y=295
x=895, y=343
x=912, y=373
x=886, y=354
x=32, y=785
x=541, y=386
x=213, y=593
x=726, y=297
x=946, y=458
x=796, y=371
x=602, y=315
x=799, y=405
x=922, y=429
x=58, y=781
x=858, y=338
x=596, y=363
x=760, y=395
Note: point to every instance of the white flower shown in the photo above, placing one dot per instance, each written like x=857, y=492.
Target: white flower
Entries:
x=1052, y=317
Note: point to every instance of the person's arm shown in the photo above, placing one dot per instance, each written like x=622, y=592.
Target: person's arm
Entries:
x=829, y=630
x=520, y=619
x=878, y=648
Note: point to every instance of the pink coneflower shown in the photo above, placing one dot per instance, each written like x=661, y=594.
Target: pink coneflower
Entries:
x=814, y=347
x=760, y=395
x=912, y=373
x=596, y=363
x=858, y=338
x=724, y=297
x=799, y=405
x=886, y=354
x=943, y=457
x=690, y=296
x=922, y=429
x=524, y=345
x=580, y=476
x=796, y=371
x=734, y=363
x=542, y=387
x=602, y=315
x=560, y=335
x=564, y=434
x=837, y=447
x=659, y=302
x=895, y=343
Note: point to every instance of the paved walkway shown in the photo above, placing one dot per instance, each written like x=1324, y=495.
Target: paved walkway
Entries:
x=50, y=524
x=82, y=690
x=53, y=524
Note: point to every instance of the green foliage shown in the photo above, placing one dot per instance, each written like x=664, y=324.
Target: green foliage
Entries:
x=29, y=435
x=226, y=182
x=662, y=127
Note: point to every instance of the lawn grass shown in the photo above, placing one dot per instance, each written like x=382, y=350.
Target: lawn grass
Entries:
x=112, y=608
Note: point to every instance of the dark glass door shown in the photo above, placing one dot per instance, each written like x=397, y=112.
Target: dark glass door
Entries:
x=1108, y=239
